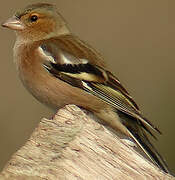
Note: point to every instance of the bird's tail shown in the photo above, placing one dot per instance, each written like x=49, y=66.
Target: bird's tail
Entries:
x=137, y=132
x=147, y=147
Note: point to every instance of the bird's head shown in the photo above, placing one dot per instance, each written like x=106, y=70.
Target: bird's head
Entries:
x=37, y=22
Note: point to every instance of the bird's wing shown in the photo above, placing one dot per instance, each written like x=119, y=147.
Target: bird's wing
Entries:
x=93, y=79
x=101, y=83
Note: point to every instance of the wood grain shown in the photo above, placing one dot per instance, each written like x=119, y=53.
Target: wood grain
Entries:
x=74, y=146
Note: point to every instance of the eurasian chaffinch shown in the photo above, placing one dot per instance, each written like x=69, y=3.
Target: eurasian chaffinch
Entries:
x=59, y=69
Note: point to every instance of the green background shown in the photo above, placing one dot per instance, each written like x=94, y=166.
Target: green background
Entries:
x=136, y=38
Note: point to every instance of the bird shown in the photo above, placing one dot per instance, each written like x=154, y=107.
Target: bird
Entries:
x=58, y=68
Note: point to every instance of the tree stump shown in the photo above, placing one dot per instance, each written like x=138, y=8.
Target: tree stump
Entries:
x=75, y=146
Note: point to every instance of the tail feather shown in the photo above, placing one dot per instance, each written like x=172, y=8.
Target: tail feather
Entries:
x=148, y=148
x=147, y=130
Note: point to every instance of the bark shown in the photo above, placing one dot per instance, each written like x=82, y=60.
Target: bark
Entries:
x=75, y=146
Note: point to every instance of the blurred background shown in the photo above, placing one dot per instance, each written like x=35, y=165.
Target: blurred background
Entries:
x=137, y=39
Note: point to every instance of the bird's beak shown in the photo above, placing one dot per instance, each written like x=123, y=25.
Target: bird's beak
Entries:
x=13, y=23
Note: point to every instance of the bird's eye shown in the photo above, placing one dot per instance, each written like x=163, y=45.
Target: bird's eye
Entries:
x=34, y=18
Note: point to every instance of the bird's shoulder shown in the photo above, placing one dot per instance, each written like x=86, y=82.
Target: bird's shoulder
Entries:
x=72, y=45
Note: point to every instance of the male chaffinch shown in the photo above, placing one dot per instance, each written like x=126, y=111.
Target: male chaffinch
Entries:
x=59, y=69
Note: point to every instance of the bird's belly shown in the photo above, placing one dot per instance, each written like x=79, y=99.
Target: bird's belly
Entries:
x=56, y=93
